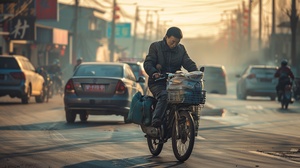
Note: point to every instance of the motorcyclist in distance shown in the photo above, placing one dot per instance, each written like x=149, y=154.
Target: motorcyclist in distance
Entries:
x=171, y=55
x=55, y=69
x=285, y=76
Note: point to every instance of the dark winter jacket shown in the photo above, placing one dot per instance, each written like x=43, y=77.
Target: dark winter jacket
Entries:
x=171, y=60
x=284, y=73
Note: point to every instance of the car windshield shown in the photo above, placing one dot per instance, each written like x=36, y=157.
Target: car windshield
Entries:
x=263, y=70
x=213, y=70
x=100, y=70
x=8, y=63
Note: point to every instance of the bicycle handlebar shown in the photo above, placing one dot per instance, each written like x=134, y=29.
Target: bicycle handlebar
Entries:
x=161, y=77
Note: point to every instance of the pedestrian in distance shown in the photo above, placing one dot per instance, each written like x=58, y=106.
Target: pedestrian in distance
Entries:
x=78, y=62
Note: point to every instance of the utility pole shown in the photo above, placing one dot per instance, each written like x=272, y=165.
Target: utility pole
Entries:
x=293, y=22
x=75, y=36
x=157, y=26
x=273, y=32
x=259, y=25
x=134, y=31
x=273, y=17
x=151, y=28
x=113, y=28
x=145, y=32
x=249, y=26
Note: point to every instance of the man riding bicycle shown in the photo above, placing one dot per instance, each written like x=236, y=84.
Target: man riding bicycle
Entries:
x=171, y=56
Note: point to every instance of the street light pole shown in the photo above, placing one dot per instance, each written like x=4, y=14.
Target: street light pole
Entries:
x=134, y=31
x=75, y=36
x=249, y=25
x=145, y=32
x=113, y=27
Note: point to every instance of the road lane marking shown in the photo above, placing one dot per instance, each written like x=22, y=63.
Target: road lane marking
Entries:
x=200, y=137
x=273, y=156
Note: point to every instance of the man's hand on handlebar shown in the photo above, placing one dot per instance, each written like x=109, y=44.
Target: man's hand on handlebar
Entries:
x=156, y=75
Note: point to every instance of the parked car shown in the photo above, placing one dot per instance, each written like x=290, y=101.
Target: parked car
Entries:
x=100, y=88
x=257, y=80
x=19, y=78
x=215, y=78
x=139, y=71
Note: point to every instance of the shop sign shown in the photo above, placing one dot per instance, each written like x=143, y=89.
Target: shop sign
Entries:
x=122, y=30
x=20, y=8
x=22, y=28
x=46, y=10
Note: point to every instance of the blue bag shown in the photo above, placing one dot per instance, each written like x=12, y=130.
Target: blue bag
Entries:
x=141, y=109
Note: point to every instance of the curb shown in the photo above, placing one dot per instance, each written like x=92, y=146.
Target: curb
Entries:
x=210, y=110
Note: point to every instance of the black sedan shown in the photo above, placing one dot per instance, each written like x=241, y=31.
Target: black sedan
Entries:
x=100, y=88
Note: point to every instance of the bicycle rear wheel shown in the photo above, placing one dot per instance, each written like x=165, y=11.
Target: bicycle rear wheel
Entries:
x=183, y=136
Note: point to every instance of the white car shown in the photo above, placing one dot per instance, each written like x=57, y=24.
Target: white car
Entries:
x=18, y=78
x=257, y=80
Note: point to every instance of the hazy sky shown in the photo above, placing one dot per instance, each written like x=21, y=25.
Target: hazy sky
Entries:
x=194, y=17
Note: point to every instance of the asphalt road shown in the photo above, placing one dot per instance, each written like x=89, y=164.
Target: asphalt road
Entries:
x=252, y=133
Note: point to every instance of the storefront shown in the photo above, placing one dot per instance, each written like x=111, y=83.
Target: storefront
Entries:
x=51, y=44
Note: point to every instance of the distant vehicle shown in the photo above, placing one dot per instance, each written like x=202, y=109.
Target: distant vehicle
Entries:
x=139, y=71
x=100, y=88
x=48, y=84
x=257, y=80
x=215, y=79
x=19, y=78
x=296, y=88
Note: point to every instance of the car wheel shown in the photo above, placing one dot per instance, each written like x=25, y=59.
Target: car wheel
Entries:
x=25, y=98
x=243, y=96
x=125, y=119
x=41, y=98
x=70, y=116
x=240, y=94
x=51, y=89
x=83, y=116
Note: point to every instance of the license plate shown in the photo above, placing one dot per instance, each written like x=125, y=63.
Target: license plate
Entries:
x=94, y=88
x=265, y=80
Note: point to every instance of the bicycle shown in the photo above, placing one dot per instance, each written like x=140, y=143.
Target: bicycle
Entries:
x=180, y=121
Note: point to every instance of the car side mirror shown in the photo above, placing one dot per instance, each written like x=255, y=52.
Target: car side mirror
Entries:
x=202, y=69
x=141, y=79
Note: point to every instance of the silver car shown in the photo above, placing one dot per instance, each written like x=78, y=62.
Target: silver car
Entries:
x=257, y=80
x=100, y=88
x=215, y=79
x=18, y=78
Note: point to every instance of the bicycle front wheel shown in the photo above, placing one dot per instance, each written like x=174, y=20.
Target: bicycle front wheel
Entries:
x=183, y=136
x=155, y=145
